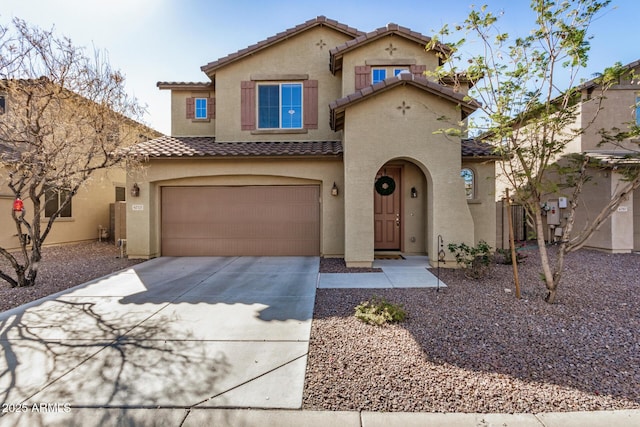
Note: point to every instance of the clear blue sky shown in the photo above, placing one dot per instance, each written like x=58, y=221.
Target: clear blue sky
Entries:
x=168, y=40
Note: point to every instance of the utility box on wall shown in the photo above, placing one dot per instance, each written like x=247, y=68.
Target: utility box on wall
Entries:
x=553, y=214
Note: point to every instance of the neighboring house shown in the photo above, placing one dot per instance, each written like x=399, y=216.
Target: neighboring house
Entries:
x=619, y=108
x=321, y=140
x=89, y=208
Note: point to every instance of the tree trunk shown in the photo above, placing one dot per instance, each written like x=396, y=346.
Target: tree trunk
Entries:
x=549, y=281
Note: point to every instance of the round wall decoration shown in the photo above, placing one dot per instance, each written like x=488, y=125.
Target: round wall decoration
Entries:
x=385, y=185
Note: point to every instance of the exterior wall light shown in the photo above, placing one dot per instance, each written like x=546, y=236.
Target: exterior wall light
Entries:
x=334, y=190
x=414, y=193
x=135, y=190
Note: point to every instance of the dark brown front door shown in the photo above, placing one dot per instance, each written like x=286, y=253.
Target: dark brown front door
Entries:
x=386, y=202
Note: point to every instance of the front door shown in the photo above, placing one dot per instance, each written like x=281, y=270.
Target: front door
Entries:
x=386, y=199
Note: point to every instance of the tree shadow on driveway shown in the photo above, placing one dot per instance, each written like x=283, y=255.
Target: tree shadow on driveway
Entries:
x=171, y=333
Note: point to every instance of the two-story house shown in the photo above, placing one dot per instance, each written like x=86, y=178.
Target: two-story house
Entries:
x=320, y=140
x=617, y=108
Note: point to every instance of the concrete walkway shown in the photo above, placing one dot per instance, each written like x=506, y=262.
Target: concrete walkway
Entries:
x=411, y=272
x=176, y=417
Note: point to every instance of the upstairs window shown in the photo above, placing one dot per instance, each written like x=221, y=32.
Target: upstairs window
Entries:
x=378, y=75
x=280, y=106
x=469, y=183
x=201, y=108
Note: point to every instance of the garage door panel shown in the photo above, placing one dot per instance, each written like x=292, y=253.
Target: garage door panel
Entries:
x=254, y=221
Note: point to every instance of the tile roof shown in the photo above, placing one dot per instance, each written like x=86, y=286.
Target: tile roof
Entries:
x=338, y=107
x=473, y=148
x=337, y=52
x=200, y=146
x=615, y=158
x=184, y=85
x=210, y=68
x=168, y=146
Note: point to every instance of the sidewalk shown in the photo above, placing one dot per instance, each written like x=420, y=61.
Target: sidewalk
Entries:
x=294, y=418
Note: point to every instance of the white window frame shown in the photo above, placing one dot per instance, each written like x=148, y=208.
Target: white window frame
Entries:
x=279, y=84
x=200, y=110
x=373, y=71
x=469, y=188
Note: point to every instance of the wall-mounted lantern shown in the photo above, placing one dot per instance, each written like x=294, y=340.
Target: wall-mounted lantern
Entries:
x=414, y=193
x=334, y=190
x=135, y=190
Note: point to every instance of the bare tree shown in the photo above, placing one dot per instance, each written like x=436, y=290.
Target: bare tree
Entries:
x=66, y=116
x=528, y=87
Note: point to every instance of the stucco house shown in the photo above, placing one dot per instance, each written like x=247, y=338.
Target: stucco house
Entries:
x=320, y=140
x=90, y=207
x=618, y=108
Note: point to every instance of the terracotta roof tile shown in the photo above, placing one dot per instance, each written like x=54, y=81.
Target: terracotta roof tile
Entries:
x=320, y=20
x=473, y=148
x=168, y=146
x=337, y=52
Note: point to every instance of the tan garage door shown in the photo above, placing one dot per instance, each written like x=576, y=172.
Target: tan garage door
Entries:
x=229, y=221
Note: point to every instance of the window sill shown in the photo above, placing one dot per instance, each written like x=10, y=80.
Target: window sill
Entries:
x=278, y=131
x=59, y=219
x=474, y=201
x=200, y=120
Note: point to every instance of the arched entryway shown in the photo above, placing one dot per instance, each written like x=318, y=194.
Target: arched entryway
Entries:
x=400, y=194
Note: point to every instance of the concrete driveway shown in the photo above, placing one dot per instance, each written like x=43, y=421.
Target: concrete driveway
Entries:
x=170, y=332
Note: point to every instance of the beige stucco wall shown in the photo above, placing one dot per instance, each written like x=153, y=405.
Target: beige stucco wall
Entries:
x=89, y=209
x=617, y=111
x=377, y=132
x=482, y=207
x=304, y=54
x=143, y=212
x=180, y=125
x=391, y=50
x=616, y=233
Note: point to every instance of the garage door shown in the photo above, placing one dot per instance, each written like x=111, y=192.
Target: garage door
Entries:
x=229, y=221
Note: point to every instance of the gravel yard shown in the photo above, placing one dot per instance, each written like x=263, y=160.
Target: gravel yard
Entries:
x=473, y=347
x=63, y=267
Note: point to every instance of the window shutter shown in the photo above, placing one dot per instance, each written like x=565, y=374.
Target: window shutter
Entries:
x=191, y=108
x=310, y=104
x=418, y=70
x=211, y=108
x=248, y=105
x=363, y=76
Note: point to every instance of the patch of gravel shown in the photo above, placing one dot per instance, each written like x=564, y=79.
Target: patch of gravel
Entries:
x=64, y=267
x=472, y=347
x=337, y=265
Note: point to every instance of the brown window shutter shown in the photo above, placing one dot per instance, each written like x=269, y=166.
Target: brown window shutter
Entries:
x=363, y=76
x=248, y=105
x=310, y=104
x=418, y=70
x=191, y=108
x=211, y=108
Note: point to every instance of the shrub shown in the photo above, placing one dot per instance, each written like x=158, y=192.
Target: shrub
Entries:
x=505, y=256
x=475, y=260
x=379, y=311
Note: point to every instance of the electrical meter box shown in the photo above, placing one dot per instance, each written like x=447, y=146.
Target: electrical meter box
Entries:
x=553, y=214
x=562, y=202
